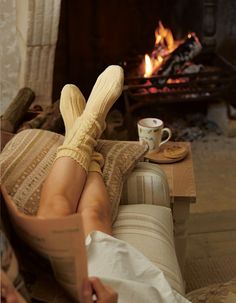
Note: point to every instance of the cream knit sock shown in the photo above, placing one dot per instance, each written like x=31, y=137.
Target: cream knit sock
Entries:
x=72, y=105
x=105, y=92
x=81, y=138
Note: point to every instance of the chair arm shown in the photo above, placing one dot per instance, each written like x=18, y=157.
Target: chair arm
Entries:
x=147, y=184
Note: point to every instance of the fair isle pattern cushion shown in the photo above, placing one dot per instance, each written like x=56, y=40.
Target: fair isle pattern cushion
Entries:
x=120, y=159
x=26, y=160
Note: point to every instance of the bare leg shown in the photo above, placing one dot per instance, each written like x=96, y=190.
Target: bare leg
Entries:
x=64, y=185
x=94, y=205
x=60, y=196
x=62, y=188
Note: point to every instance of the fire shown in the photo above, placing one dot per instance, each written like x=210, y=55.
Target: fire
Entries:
x=148, y=66
x=164, y=45
x=164, y=38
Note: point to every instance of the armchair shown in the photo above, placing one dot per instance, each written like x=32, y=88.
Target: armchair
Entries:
x=144, y=218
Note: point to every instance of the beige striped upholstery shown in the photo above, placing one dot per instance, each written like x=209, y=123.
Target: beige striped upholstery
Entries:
x=147, y=184
x=149, y=228
x=147, y=222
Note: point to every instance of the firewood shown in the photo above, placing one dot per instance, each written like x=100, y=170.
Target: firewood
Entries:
x=35, y=122
x=54, y=121
x=50, y=119
x=16, y=111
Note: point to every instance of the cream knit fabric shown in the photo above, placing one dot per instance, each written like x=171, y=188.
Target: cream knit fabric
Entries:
x=81, y=138
x=72, y=105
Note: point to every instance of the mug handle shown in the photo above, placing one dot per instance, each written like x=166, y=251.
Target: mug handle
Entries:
x=165, y=129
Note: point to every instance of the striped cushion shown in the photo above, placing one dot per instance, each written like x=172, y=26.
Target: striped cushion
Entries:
x=149, y=228
x=27, y=158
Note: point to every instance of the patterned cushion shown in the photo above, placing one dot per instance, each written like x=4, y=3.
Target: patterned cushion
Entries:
x=26, y=160
x=215, y=293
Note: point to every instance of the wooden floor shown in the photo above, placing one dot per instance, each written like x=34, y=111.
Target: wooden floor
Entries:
x=211, y=254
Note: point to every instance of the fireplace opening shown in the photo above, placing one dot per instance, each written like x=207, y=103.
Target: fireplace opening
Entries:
x=94, y=34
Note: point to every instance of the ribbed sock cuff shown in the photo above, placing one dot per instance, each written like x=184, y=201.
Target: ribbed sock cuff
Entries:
x=82, y=157
x=95, y=167
x=98, y=157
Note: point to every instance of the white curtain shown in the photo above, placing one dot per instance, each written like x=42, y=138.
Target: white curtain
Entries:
x=9, y=54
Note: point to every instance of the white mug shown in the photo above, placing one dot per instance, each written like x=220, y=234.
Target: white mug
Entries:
x=151, y=130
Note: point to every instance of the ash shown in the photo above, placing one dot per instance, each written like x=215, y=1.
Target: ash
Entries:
x=187, y=122
x=192, y=127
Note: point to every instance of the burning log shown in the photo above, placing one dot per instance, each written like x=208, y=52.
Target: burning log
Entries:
x=183, y=53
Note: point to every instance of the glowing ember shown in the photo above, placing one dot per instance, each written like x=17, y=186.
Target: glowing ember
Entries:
x=164, y=45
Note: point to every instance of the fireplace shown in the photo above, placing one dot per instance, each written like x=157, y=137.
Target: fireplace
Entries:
x=206, y=78
x=99, y=33
x=184, y=92
x=94, y=34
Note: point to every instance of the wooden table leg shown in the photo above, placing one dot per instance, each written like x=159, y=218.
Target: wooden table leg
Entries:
x=181, y=217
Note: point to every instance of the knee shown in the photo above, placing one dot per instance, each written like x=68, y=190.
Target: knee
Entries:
x=94, y=213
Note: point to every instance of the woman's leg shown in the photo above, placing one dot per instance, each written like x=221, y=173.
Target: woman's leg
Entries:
x=62, y=189
x=94, y=205
x=66, y=180
x=72, y=105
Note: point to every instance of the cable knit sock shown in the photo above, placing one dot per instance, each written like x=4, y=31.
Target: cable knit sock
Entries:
x=81, y=138
x=105, y=92
x=72, y=105
x=97, y=162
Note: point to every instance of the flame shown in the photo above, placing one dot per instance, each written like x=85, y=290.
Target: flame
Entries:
x=164, y=45
x=164, y=36
x=148, y=66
